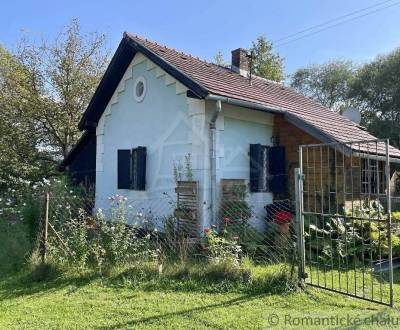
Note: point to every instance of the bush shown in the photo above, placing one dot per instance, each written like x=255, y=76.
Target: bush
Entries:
x=235, y=211
x=101, y=241
x=365, y=239
x=15, y=245
x=31, y=215
x=220, y=249
x=250, y=239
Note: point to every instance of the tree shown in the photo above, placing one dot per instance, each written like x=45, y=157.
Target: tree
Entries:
x=328, y=84
x=266, y=63
x=63, y=75
x=44, y=88
x=219, y=59
x=376, y=90
x=21, y=159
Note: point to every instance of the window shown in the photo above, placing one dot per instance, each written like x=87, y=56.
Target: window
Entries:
x=372, y=176
x=267, y=169
x=258, y=168
x=139, y=91
x=132, y=169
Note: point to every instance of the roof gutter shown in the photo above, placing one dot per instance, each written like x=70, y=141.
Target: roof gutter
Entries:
x=244, y=104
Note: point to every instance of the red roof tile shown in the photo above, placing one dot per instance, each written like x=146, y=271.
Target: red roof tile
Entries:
x=223, y=81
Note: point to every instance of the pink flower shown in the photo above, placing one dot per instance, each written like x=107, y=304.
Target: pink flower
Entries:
x=206, y=230
x=235, y=238
x=226, y=220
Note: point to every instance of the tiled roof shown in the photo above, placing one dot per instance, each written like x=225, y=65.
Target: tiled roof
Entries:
x=224, y=82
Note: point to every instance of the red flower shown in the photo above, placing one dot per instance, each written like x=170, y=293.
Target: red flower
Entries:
x=283, y=217
x=206, y=230
x=226, y=220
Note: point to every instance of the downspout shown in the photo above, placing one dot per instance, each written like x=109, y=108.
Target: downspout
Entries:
x=213, y=161
x=213, y=143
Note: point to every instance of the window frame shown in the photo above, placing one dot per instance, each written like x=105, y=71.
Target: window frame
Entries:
x=139, y=98
x=263, y=171
x=134, y=168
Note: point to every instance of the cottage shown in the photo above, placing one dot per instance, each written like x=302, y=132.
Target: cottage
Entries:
x=156, y=105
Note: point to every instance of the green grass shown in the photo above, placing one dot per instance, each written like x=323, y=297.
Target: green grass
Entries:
x=128, y=300
x=194, y=297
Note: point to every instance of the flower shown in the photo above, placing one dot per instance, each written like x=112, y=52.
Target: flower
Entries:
x=235, y=238
x=283, y=217
x=206, y=230
x=226, y=220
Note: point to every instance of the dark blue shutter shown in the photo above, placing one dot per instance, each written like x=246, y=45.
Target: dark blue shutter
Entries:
x=139, y=168
x=277, y=169
x=124, y=169
x=256, y=167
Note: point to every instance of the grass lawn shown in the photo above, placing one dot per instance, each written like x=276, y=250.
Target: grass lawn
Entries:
x=70, y=302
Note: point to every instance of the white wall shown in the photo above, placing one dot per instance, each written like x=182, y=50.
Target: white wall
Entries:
x=171, y=125
x=237, y=128
x=166, y=122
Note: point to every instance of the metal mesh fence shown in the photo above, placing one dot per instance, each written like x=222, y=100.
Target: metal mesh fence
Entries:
x=161, y=228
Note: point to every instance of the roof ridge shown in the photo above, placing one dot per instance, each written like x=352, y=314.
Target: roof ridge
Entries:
x=204, y=78
x=228, y=67
x=136, y=36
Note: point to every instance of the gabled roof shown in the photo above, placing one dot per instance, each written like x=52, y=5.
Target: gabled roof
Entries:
x=203, y=78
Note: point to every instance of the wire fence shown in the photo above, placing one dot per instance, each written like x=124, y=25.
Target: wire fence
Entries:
x=159, y=229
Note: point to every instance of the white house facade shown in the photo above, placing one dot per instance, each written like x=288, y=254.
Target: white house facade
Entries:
x=155, y=105
x=171, y=125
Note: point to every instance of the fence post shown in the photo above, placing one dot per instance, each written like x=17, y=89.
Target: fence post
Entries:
x=389, y=223
x=45, y=228
x=299, y=224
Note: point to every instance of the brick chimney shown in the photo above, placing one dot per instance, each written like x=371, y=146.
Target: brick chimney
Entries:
x=240, y=62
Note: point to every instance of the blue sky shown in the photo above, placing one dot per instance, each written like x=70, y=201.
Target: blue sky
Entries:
x=204, y=27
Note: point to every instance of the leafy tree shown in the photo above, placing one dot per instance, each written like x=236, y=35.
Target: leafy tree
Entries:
x=266, y=63
x=64, y=73
x=328, y=84
x=376, y=89
x=45, y=87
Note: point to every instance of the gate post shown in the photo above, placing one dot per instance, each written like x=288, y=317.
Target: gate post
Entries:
x=299, y=224
x=389, y=223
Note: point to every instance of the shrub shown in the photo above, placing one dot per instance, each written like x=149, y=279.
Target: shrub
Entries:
x=365, y=239
x=100, y=241
x=235, y=211
x=396, y=217
x=31, y=215
x=15, y=245
x=221, y=249
x=77, y=239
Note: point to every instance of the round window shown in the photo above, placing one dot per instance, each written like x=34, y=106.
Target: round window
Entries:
x=140, y=89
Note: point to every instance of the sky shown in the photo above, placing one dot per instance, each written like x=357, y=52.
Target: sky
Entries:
x=202, y=28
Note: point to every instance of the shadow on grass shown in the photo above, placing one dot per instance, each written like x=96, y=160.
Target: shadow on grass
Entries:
x=47, y=278
x=40, y=281
x=187, y=312
x=205, y=279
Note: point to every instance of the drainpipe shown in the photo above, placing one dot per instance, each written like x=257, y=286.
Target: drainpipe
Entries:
x=213, y=161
